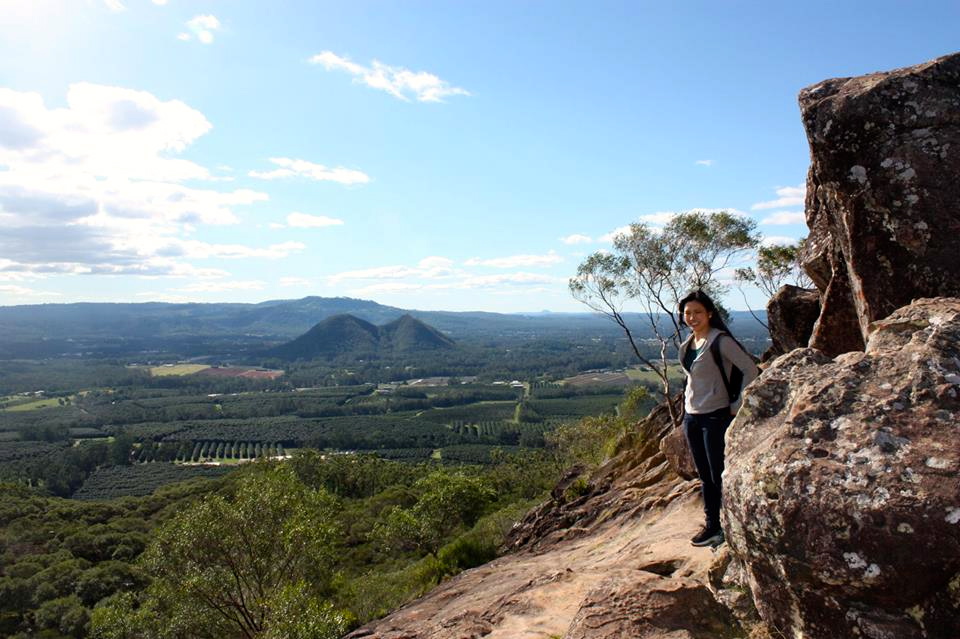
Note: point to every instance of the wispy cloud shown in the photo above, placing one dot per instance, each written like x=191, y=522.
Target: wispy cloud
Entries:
x=487, y=281
x=290, y=167
x=221, y=286
x=515, y=261
x=620, y=230
x=203, y=250
x=115, y=5
x=386, y=287
x=287, y=282
x=429, y=268
x=784, y=217
x=201, y=27
x=788, y=196
x=656, y=221
x=660, y=218
x=22, y=291
x=704, y=162
x=576, y=238
x=778, y=240
x=399, y=82
x=435, y=262
x=304, y=221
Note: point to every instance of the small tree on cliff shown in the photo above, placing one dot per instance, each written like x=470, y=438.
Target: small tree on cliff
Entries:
x=655, y=268
x=776, y=265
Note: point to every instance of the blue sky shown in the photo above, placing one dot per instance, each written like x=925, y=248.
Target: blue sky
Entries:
x=428, y=155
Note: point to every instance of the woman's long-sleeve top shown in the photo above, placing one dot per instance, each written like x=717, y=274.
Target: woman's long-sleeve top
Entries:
x=705, y=391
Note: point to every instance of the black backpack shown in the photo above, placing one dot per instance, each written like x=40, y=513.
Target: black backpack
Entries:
x=735, y=380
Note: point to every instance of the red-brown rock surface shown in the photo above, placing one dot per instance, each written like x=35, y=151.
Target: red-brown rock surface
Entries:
x=791, y=315
x=883, y=202
x=675, y=448
x=611, y=563
x=842, y=488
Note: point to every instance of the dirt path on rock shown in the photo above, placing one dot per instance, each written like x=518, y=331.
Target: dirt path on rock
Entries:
x=530, y=595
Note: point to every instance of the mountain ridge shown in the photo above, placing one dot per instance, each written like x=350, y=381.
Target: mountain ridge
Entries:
x=276, y=319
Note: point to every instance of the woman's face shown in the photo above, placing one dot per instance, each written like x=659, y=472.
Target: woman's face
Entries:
x=695, y=315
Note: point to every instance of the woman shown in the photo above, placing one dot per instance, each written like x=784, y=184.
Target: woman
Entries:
x=708, y=408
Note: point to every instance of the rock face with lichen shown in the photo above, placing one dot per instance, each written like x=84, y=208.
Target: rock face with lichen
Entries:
x=842, y=490
x=883, y=204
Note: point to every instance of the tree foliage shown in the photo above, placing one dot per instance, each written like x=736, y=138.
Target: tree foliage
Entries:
x=229, y=564
x=447, y=501
x=777, y=265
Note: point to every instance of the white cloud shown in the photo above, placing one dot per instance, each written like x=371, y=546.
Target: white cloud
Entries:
x=21, y=291
x=304, y=221
x=656, y=221
x=97, y=187
x=429, y=268
x=290, y=167
x=399, y=82
x=789, y=196
x=576, y=238
x=219, y=287
x=781, y=240
x=201, y=250
x=376, y=273
x=661, y=218
x=515, y=261
x=385, y=287
x=115, y=5
x=704, y=162
x=486, y=281
x=201, y=27
x=111, y=131
x=435, y=262
x=609, y=237
x=295, y=281
x=501, y=283
x=160, y=2
x=784, y=217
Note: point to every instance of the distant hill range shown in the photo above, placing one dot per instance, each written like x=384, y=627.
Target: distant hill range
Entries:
x=346, y=334
x=229, y=330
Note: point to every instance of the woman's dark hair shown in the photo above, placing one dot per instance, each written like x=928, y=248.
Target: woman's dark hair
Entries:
x=699, y=296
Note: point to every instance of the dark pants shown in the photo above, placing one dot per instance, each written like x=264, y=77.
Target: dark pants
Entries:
x=704, y=435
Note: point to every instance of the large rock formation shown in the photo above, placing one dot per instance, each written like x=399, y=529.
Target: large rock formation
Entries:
x=883, y=205
x=842, y=489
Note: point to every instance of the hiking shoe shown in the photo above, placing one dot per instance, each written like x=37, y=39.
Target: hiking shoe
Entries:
x=708, y=536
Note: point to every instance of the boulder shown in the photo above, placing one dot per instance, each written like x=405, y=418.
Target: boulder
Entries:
x=791, y=315
x=675, y=448
x=883, y=202
x=842, y=485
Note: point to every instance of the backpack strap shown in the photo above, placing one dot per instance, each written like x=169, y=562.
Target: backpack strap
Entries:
x=718, y=359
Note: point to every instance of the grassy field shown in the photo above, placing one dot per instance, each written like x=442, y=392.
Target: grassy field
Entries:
x=637, y=375
x=30, y=404
x=177, y=369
